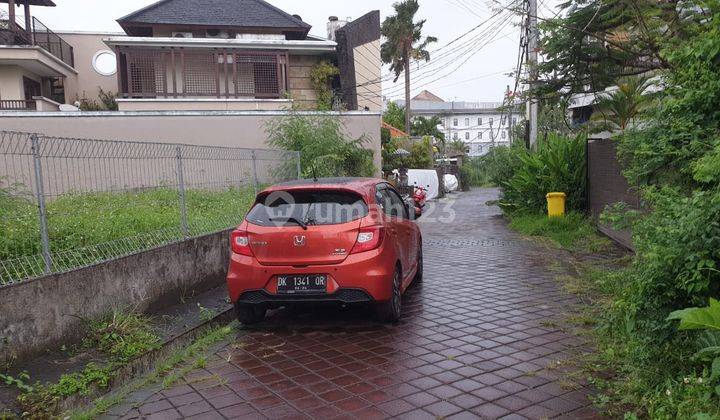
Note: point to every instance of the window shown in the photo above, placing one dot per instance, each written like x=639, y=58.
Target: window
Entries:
x=480, y=134
x=467, y=122
x=391, y=202
x=455, y=122
x=467, y=135
x=479, y=121
x=491, y=121
x=503, y=134
x=318, y=208
x=105, y=63
x=455, y=136
x=514, y=121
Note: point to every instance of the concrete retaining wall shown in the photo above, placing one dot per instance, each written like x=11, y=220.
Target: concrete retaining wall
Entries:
x=44, y=313
x=203, y=128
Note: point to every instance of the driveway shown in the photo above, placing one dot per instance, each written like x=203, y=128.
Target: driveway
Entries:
x=477, y=340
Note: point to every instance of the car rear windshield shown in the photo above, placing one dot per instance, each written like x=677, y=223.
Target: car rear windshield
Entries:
x=287, y=208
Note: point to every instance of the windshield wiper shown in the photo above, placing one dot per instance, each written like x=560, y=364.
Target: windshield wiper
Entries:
x=306, y=219
x=290, y=219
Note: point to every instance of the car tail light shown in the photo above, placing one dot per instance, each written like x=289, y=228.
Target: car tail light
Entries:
x=240, y=243
x=369, y=238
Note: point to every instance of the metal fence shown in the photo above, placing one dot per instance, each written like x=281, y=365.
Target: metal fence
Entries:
x=68, y=203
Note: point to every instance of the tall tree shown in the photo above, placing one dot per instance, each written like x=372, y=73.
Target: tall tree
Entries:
x=404, y=41
x=428, y=127
x=595, y=42
x=395, y=116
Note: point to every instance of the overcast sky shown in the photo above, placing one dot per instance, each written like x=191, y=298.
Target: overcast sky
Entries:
x=473, y=72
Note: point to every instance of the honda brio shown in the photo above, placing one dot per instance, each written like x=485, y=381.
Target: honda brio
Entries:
x=345, y=240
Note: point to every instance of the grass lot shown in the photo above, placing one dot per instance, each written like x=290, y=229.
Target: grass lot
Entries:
x=88, y=228
x=572, y=232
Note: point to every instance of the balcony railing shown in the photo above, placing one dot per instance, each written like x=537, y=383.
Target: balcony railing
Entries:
x=52, y=43
x=17, y=105
x=12, y=33
x=182, y=73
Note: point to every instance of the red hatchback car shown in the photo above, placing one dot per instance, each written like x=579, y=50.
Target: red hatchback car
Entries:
x=345, y=240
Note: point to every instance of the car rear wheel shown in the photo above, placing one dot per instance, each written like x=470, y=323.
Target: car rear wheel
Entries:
x=250, y=314
x=419, y=271
x=390, y=310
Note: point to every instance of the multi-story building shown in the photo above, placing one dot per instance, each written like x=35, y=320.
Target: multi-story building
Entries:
x=480, y=125
x=180, y=55
x=207, y=72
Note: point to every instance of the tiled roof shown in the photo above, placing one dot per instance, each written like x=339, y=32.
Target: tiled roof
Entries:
x=232, y=13
x=427, y=96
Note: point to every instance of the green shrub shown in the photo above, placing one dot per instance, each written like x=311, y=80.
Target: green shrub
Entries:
x=677, y=260
x=475, y=172
x=557, y=166
x=325, y=149
x=321, y=75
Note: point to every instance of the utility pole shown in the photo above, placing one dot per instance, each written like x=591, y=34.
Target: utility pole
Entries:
x=532, y=60
x=509, y=100
x=408, y=104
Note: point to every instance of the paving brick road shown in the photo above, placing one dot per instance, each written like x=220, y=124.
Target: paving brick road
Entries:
x=477, y=340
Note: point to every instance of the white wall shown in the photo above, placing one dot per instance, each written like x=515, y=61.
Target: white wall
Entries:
x=477, y=131
x=11, y=82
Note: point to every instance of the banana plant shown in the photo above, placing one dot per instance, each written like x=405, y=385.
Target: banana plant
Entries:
x=706, y=319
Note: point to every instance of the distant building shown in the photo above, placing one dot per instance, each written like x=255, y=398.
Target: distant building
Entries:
x=480, y=125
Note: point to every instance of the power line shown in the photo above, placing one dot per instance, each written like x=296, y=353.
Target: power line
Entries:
x=467, y=58
x=423, y=64
x=466, y=49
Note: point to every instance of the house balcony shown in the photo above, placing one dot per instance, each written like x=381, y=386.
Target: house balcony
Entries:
x=12, y=34
x=37, y=103
x=165, y=74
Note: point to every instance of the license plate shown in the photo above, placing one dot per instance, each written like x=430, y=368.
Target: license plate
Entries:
x=302, y=284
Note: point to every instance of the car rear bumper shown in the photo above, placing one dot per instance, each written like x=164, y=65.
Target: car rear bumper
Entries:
x=363, y=277
x=255, y=297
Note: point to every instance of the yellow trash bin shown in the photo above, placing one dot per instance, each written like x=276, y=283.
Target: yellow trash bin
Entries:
x=556, y=204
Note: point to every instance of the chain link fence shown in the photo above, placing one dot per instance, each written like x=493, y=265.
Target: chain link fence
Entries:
x=68, y=203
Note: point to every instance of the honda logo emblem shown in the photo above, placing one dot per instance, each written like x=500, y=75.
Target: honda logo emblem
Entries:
x=300, y=240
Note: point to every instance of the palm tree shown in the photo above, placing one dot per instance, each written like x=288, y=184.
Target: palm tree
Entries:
x=427, y=127
x=456, y=147
x=616, y=111
x=404, y=42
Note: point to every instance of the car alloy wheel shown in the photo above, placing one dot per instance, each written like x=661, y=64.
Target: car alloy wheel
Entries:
x=420, y=266
x=390, y=310
x=396, y=299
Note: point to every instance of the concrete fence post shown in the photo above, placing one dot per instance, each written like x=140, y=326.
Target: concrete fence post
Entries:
x=181, y=191
x=254, y=170
x=40, y=195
